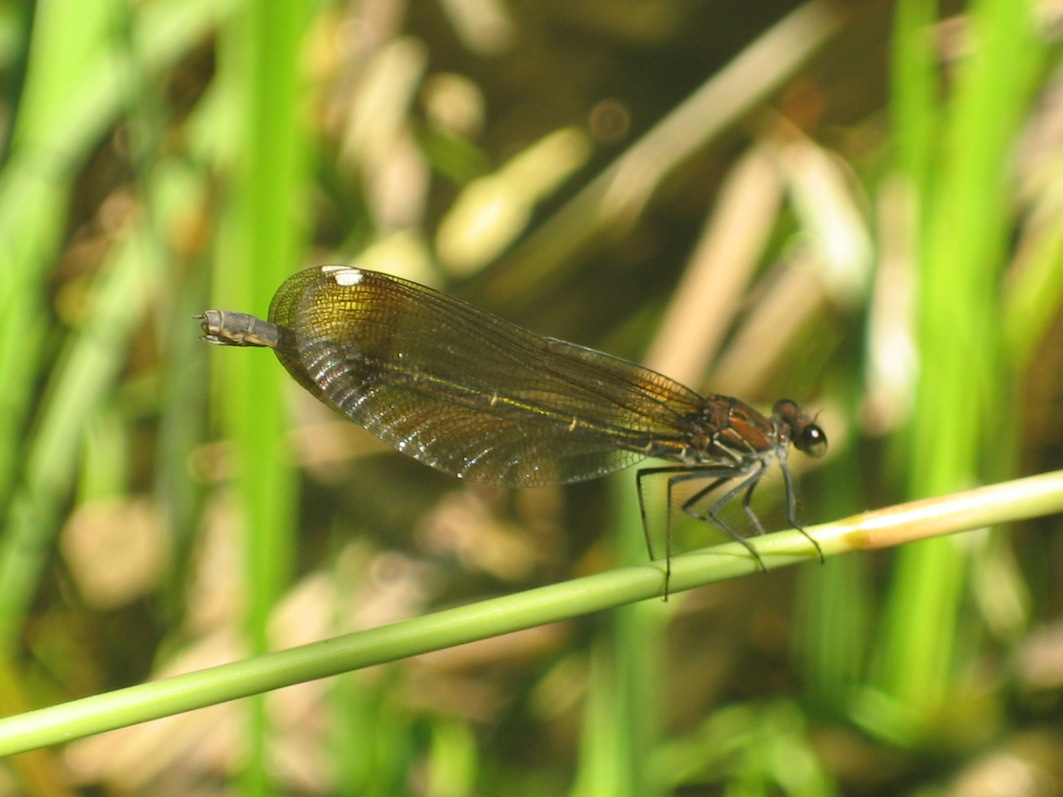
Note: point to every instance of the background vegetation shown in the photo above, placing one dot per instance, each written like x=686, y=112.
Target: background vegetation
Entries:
x=856, y=205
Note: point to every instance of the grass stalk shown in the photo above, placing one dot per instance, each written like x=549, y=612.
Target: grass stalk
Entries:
x=919, y=520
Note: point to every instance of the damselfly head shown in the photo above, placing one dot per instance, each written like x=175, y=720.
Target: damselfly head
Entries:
x=801, y=429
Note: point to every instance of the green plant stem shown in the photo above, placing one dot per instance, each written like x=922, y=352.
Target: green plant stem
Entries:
x=1008, y=501
x=961, y=421
x=264, y=237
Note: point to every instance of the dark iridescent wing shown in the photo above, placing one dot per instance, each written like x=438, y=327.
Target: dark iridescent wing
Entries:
x=465, y=391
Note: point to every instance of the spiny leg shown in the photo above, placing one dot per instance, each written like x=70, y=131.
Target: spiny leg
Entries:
x=642, y=508
x=668, y=522
x=696, y=498
x=676, y=474
x=746, y=484
x=791, y=509
x=719, y=475
x=722, y=474
x=754, y=480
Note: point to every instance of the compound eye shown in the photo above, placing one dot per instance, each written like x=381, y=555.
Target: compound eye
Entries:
x=812, y=440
